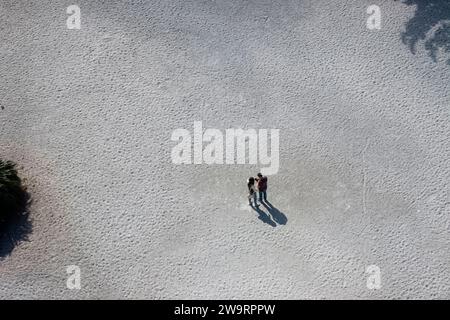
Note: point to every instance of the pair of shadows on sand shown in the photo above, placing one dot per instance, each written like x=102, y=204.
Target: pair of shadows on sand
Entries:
x=274, y=217
x=15, y=228
x=431, y=23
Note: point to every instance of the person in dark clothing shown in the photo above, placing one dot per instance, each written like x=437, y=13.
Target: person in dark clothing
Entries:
x=251, y=191
x=261, y=182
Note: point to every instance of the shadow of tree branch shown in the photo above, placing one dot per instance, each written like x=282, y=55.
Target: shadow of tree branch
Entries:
x=431, y=24
x=15, y=223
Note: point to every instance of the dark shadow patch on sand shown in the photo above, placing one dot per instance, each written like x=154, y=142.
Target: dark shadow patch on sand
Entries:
x=15, y=222
x=431, y=23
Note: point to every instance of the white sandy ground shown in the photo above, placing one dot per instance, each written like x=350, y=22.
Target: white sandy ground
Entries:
x=364, y=150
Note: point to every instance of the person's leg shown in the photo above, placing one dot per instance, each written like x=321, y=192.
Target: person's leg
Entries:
x=265, y=195
x=260, y=196
x=254, y=199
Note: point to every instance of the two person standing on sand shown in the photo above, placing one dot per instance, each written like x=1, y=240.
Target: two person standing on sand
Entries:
x=258, y=184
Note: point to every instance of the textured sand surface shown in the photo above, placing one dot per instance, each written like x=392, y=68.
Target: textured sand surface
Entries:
x=364, y=148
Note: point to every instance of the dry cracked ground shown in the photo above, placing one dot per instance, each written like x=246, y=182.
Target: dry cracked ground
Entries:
x=364, y=148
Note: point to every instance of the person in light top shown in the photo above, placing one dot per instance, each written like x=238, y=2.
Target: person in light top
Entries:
x=251, y=191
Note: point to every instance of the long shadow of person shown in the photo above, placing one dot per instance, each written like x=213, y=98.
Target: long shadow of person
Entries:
x=276, y=214
x=264, y=217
